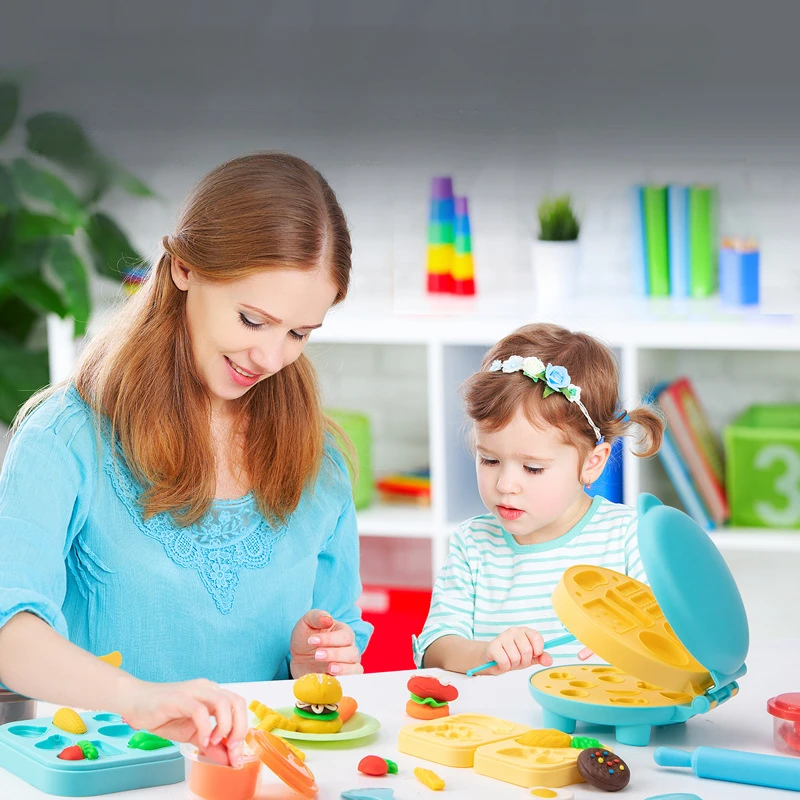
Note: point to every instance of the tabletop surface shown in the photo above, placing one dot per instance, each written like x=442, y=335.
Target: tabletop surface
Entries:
x=740, y=724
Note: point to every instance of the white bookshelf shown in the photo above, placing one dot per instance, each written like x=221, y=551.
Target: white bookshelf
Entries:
x=652, y=339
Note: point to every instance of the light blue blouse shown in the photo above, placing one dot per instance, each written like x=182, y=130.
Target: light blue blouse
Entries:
x=217, y=599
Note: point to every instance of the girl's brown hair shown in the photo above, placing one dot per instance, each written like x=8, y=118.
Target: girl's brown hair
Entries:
x=256, y=212
x=492, y=398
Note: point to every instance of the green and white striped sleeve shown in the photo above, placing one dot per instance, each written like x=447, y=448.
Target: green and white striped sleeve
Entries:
x=452, y=609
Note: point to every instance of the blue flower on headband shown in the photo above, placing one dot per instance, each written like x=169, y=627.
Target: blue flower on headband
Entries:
x=556, y=377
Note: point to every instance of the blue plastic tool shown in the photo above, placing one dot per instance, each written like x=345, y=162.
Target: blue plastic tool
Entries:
x=736, y=766
x=566, y=639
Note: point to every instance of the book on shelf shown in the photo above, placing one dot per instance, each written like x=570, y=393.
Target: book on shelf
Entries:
x=696, y=443
x=679, y=276
x=678, y=471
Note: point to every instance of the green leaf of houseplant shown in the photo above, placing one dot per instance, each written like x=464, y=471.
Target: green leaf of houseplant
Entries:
x=8, y=196
x=131, y=184
x=29, y=226
x=38, y=295
x=9, y=107
x=72, y=273
x=17, y=320
x=22, y=372
x=48, y=188
x=61, y=139
x=112, y=251
x=19, y=259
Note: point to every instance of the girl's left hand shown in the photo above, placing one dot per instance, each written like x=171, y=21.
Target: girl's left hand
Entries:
x=320, y=643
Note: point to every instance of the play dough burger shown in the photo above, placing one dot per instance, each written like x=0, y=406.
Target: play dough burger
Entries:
x=317, y=709
x=429, y=697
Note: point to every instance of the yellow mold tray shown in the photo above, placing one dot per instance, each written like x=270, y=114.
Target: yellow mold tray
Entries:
x=527, y=766
x=452, y=741
x=619, y=617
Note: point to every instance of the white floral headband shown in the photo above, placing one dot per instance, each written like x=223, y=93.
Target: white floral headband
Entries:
x=556, y=378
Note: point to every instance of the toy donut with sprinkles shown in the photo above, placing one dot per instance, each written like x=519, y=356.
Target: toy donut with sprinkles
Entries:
x=603, y=769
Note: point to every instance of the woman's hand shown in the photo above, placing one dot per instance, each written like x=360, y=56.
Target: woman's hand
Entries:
x=321, y=644
x=182, y=712
x=516, y=648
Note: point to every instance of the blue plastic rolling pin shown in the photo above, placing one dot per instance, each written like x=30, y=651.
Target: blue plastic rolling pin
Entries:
x=736, y=766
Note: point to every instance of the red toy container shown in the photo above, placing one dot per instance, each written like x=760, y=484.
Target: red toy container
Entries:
x=397, y=615
x=785, y=710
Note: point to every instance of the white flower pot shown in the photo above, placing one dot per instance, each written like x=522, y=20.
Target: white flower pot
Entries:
x=555, y=270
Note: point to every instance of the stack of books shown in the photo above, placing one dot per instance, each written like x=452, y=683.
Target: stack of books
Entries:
x=691, y=453
x=675, y=233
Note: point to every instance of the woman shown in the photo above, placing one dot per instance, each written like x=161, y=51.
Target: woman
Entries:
x=181, y=500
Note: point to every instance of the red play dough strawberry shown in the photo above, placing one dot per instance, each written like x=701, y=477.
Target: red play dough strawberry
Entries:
x=374, y=765
x=73, y=753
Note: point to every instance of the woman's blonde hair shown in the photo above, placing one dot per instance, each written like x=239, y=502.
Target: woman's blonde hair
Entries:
x=256, y=212
x=492, y=398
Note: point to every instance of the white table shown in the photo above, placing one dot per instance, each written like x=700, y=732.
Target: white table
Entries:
x=742, y=723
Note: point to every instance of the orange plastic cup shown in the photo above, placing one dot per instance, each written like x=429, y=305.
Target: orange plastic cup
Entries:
x=210, y=781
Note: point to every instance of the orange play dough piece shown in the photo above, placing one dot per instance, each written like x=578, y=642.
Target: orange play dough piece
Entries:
x=347, y=707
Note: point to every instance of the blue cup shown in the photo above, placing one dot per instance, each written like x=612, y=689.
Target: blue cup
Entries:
x=739, y=276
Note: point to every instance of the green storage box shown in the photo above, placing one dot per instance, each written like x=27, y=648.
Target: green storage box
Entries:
x=762, y=453
x=357, y=428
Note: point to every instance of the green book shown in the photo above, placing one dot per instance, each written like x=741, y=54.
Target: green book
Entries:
x=702, y=241
x=657, y=239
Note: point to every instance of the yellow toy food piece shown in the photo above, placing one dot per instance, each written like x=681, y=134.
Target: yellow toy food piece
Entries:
x=552, y=794
x=429, y=778
x=545, y=737
x=317, y=725
x=619, y=619
x=275, y=720
x=68, y=720
x=115, y=658
x=269, y=719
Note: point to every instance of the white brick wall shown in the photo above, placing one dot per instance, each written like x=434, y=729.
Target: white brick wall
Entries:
x=389, y=384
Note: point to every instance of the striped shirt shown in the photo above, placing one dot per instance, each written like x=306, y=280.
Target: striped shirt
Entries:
x=490, y=582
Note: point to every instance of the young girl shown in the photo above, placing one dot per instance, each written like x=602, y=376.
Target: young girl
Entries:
x=545, y=411
x=180, y=500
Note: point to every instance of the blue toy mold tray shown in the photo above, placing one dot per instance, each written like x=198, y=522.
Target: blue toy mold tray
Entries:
x=30, y=751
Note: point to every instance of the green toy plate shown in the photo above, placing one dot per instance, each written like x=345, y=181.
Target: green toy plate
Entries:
x=357, y=727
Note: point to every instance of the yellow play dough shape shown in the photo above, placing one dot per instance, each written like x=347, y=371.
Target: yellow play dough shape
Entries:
x=452, y=741
x=604, y=686
x=619, y=619
x=269, y=719
x=429, y=778
x=545, y=737
x=68, y=720
x=552, y=794
x=526, y=766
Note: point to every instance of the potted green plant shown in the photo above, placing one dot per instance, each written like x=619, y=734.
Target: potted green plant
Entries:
x=53, y=237
x=555, y=253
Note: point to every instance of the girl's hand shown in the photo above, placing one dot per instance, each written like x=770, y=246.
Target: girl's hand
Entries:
x=321, y=644
x=182, y=712
x=585, y=654
x=516, y=648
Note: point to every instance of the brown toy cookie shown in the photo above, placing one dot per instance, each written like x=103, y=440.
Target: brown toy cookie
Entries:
x=603, y=769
